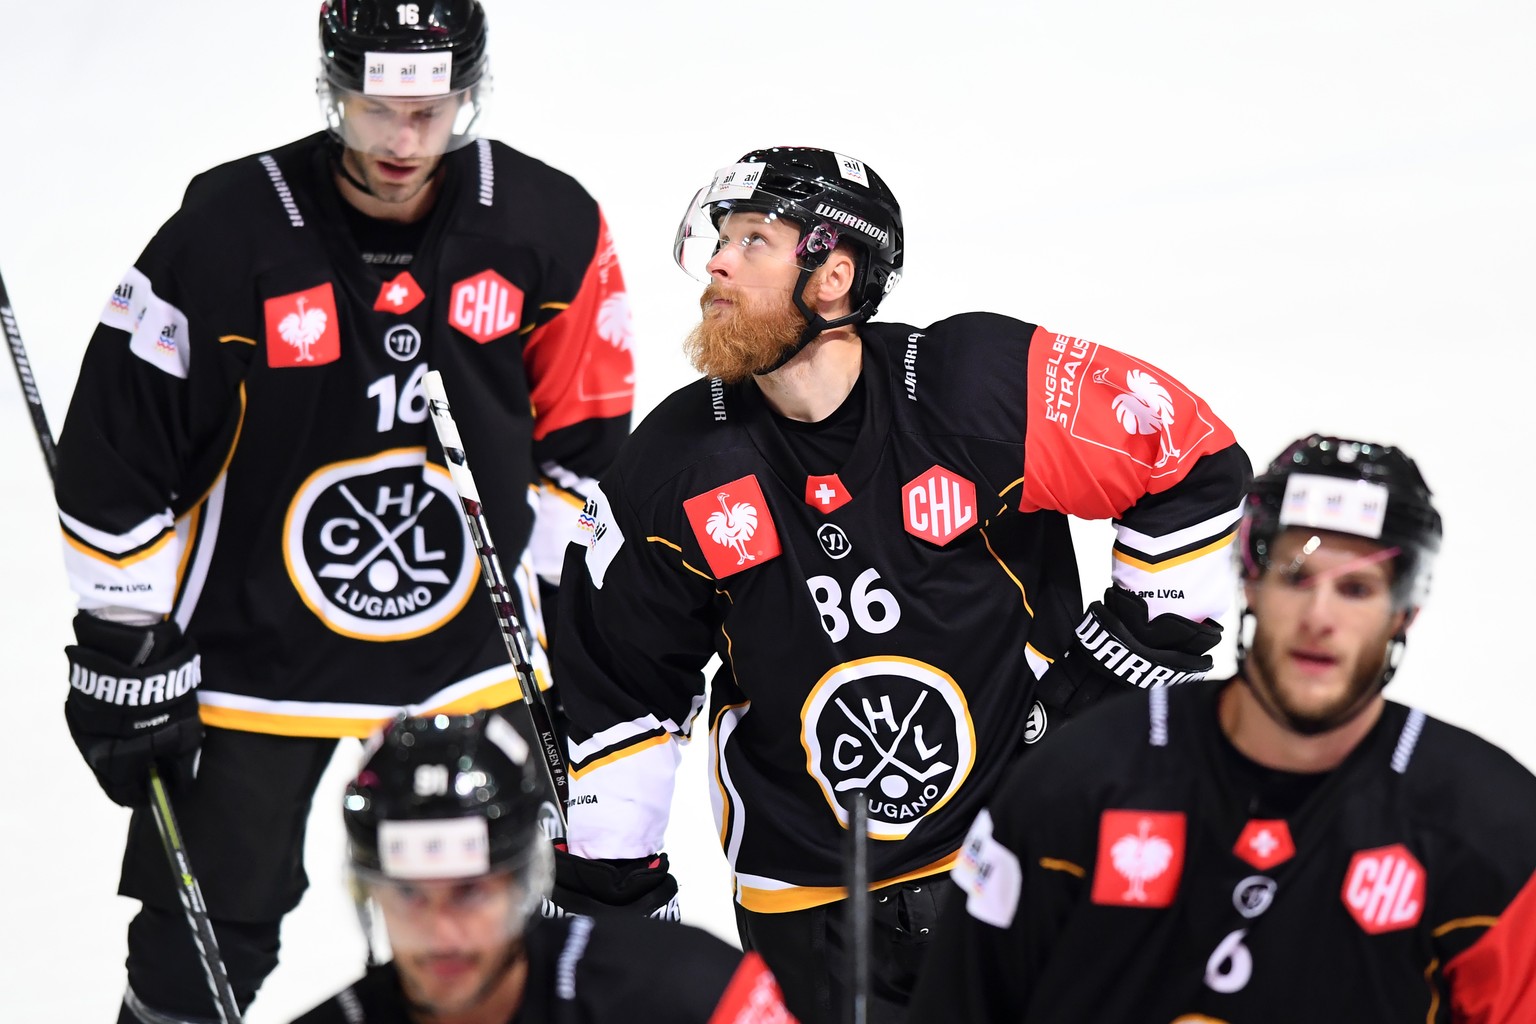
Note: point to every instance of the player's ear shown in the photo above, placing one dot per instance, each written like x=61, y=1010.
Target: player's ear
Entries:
x=834, y=282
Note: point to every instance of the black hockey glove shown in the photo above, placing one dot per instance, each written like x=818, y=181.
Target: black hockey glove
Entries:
x=133, y=700
x=1116, y=651
x=642, y=886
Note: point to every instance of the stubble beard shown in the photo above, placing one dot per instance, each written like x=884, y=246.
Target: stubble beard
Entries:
x=1364, y=682
x=751, y=337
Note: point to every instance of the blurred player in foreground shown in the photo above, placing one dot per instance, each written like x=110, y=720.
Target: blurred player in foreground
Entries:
x=1284, y=845
x=447, y=852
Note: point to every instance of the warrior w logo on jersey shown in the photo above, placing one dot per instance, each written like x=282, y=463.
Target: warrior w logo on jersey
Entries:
x=377, y=547
x=896, y=728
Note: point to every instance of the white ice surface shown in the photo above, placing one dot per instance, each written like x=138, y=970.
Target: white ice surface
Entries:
x=1319, y=215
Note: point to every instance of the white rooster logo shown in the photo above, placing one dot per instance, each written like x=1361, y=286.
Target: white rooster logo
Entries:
x=733, y=526
x=1140, y=858
x=1144, y=406
x=615, y=324
x=302, y=330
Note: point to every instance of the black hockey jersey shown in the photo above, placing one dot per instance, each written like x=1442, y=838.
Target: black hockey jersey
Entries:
x=1124, y=874
x=586, y=971
x=881, y=626
x=248, y=447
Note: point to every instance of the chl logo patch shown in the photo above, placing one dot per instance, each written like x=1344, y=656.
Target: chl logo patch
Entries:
x=1384, y=889
x=1265, y=843
x=938, y=505
x=900, y=729
x=400, y=295
x=1141, y=858
x=302, y=328
x=733, y=526
x=486, y=306
x=377, y=547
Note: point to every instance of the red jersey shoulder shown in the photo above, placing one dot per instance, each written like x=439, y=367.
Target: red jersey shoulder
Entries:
x=1105, y=428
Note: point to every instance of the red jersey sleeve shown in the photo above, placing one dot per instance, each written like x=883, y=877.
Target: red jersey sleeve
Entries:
x=581, y=362
x=1105, y=428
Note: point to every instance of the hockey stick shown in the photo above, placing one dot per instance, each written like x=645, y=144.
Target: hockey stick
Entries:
x=165, y=818
x=496, y=584
x=858, y=908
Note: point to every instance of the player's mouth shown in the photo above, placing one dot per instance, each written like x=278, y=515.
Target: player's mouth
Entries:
x=392, y=171
x=1313, y=662
x=448, y=966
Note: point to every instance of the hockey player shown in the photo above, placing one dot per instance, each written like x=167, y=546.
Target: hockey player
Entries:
x=867, y=522
x=1286, y=845
x=446, y=848
x=253, y=506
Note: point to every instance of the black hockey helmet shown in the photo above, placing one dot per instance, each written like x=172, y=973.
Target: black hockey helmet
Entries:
x=447, y=796
x=350, y=30
x=422, y=64
x=1359, y=488
x=830, y=197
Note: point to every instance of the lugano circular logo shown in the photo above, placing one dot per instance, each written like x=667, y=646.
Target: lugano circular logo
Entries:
x=377, y=547
x=899, y=729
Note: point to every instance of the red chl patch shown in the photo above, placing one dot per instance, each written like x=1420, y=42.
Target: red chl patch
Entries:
x=1141, y=858
x=752, y=997
x=1384, y=889
x=826, y=493
x=939, y=505
x=486, y=306
x=1265, y=843
x=302, y=328
x=733, y=526
x=400, y=295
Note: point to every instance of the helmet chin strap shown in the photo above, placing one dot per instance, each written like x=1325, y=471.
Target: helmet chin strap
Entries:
x=817, y=244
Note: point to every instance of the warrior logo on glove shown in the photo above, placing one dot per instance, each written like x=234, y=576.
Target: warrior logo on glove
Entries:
x=377, y=547
x=899, y=729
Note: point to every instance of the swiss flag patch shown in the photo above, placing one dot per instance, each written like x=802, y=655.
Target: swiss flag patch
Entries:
x=733, y=526
x=486, y=306
x=302, y=328
x=1384, y=889
x=1141, y=858
x=1264, y=843
x=826, y=493
x=400, y=295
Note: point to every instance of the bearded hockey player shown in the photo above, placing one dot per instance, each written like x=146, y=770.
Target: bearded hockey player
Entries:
x=448, y=855
x=1287, y=845
x=867, y=522
x=247, y=484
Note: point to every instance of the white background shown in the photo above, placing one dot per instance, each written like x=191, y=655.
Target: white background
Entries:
x=1319, y=215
